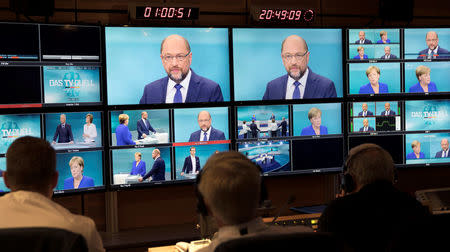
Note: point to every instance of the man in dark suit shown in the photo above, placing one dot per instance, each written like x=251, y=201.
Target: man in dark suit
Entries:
x=144, y=127
x=283, y=126
x=63, y=131
x=444, y=152
x=254, y=129
x=387, y=110
x=158, y=169
x=362, y=39
x=191, y=163
x=387, y=53
x=434, y=51
x=299, y=82
x=366, y=127
x=364, y=111
x=206, y=132
x=181, y=83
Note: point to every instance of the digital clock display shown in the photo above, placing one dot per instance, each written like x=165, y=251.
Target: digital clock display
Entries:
x=175, y=13
x=285, y=15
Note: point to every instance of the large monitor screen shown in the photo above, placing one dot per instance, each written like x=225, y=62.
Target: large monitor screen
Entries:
x=318, y=155
x=21, y=85
x=317, y=119
x=268, y=64
x=263, y=121
x=427, y=148
x=70, y=43
x=391, y=143
x=191, y=67
x=373, y=44
x=380, y=116
x=130, y=165
x=79, y=170
x=19, y=42
x=271, y=156
x=374, y=78
x=427, y=77
x=71, y=84
x=427, y=43
x=426, y=115
x=15, y=126
x=75, y=130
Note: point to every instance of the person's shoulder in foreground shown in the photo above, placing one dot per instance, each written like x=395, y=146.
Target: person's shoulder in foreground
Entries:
x=31, y=175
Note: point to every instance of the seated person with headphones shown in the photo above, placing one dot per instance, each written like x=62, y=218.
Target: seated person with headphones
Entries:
x=374, y=215
x=229, y=191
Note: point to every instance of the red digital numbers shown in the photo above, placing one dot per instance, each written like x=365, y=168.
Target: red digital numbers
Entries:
x=147, y=12
x=166, y=12
x=286, y=15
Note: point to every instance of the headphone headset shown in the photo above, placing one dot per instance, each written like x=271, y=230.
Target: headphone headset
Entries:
x=348, y=184
x=201, y=206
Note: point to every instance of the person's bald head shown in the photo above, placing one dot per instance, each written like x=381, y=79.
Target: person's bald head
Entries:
x=295, y=39
x=175, y=39
x=432, y=40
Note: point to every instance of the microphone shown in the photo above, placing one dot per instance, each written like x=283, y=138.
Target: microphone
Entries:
x=290, y=200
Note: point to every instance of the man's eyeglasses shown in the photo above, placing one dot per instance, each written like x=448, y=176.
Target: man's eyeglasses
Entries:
x=297, y=57
x=179, y=57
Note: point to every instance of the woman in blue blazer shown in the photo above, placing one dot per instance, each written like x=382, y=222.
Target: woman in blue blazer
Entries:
x=123, y=134
x=373, y=87
x=361, y=55
x=78, y=180
x=138, y=165
x=315, y=117
x=424, y=85
x=416, y=154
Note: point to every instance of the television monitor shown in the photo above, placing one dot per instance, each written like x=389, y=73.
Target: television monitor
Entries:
x=208, y=124
x=126, y=169
x=269, y=121
x=319, y=119
x=260, y=69
x=71, y=84
x=271, y=156
x=3, y=187
x=432, y=75
x=363, y=77
x=84, y=165
x=318, y=155
x=380, y=116
x=190, y=159
x=21, y=86
x=373, y=44
x=418, y=43
x=137, y=72
x=155, y=129
x=70, y=43
x=71, y=130
x=391, y=143
x=19, y=42
x=18, y=125
x=427, y=115
x=427, y=148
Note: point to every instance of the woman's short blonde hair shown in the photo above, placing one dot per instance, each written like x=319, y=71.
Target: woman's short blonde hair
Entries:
x=91, y=117
x=383, y=33
x=422, y=70
x=139, y=154
x=123, y=118
x=359, y=48
x=415, y=143
x=313, y=112
x=76, y=159
x=371, y=68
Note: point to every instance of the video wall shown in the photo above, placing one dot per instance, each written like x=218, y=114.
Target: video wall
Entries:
x=162, y=100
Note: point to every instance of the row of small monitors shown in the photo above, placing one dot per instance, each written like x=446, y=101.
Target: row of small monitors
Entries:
x=138, y=71
x=165, y=163
x=39, y=42
x=82, y=84
x=82, y=130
